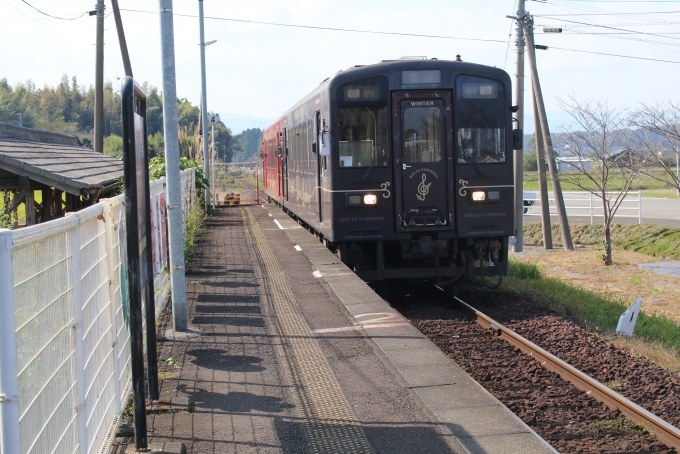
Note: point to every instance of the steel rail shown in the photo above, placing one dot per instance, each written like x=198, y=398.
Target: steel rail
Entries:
x=665, y=432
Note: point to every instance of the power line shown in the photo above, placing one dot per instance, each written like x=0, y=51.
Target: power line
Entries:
x=278, y=24
x=616, y=55
x=610, y=14
x=612, y=28
x=462, y=27
x=54, y=17
x=399, y=34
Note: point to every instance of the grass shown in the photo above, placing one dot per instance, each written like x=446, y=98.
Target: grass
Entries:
x=650, y=187
x=648, y=239
x=193, y=227
x=598, y=312
x=622, y=426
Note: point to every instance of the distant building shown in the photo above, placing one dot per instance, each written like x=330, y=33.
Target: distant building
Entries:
x=568, y=163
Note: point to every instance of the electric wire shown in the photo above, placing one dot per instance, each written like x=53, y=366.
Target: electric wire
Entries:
x=462, y=27
x=397, y=33
x=54, y=17
x=507, y=48
x=615, y=28
x=313, y=27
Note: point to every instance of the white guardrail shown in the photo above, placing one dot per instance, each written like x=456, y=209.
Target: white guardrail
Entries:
x=64, y=340
x=585, y=204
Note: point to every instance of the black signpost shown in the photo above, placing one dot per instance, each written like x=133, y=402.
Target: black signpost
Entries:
x=138, y=246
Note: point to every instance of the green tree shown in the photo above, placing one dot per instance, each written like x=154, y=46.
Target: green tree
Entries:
x=224, y=141
x=248, y=144
x=113, y=146
x=156, y=145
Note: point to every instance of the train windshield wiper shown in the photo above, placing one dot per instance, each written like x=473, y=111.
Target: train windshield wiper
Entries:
x=474, y=163
x=367, y=172
x=467, y=155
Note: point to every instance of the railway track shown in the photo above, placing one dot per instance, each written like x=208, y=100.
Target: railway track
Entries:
x=568, y=408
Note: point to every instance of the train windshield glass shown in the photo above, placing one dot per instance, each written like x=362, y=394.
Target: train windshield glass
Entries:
x=362, y=124
x=422, y=133
x=480, y=121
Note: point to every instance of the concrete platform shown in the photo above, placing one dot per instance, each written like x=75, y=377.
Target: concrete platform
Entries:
x=290, y=352
x=478, y=421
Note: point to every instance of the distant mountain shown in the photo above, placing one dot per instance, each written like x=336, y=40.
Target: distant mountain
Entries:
x=239, y=123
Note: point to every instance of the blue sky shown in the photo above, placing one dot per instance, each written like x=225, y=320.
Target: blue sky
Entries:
x=257, y=71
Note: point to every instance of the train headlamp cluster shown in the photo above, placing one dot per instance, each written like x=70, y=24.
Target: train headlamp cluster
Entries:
x=361, y=200
x=482, y=196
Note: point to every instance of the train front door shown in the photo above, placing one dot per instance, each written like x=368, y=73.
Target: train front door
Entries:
x=422, y=153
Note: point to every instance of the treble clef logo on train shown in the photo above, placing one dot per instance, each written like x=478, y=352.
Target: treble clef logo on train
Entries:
x=423, y=189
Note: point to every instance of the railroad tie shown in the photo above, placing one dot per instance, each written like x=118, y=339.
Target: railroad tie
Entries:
x=328, y=421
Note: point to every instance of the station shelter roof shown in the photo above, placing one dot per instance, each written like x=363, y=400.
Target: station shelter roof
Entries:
x=56, y=160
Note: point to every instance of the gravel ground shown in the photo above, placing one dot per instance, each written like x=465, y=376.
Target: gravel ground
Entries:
x=561, y=414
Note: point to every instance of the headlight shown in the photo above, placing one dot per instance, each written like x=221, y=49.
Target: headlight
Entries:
x=478, y=196
x=494, y=195
x=361, y=200
x=370, y=199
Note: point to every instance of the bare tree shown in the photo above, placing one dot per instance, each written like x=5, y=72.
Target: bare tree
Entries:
x=605, y=165
x=661, y=130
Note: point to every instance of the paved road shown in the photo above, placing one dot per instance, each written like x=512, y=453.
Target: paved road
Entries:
x=665, y=212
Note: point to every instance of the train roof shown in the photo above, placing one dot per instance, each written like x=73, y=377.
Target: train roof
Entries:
x=381, y=68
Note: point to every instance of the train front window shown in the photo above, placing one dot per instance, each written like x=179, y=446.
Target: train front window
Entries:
x=362, y=123
x=422, y=133
x=363, y=137
x=480, y=121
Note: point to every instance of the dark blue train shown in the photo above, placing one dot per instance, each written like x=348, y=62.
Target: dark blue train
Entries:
x=403, y=168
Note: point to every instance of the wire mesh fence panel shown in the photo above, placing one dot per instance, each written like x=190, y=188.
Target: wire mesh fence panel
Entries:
x=71, y=322
x=119, y=307
x=99, y=368
x=43, y=291
x=236, y=183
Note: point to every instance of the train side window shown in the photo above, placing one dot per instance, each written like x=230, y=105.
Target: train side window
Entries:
x=363, y=123
x=480, y=121
x=363, y=137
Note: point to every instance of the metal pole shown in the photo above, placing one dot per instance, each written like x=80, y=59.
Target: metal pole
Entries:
x=174, y=183
x=591, y=208
x=121, y=38
x=212, y=147
x=677, y=170
x=10, y=440
x=99, y=82
x=557, y=187
x=519, y=154
x=257, y=182
x=204, y=107
x=639, y=207
x=542, y=183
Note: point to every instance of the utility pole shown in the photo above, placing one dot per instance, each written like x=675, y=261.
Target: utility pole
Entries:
x=557, y=188
x=171, y=138
x=519, y=154
x=99, y=81
x=121, y=38
x=542, y=184
x=204, y=109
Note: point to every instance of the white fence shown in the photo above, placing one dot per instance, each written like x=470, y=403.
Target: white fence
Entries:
x=585, y=204
x=64, y=340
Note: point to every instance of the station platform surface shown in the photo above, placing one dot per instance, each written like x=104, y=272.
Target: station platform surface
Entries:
x=290, y=352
